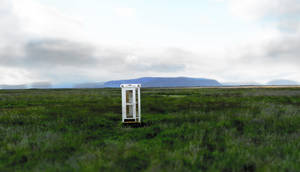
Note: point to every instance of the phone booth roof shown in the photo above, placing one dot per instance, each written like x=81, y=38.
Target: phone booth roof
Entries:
x=130, y=85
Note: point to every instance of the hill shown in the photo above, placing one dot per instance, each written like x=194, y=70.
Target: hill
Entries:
x=282, y=82
x=165, y=82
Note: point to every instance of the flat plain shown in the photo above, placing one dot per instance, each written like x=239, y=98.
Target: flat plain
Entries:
x=198, y=129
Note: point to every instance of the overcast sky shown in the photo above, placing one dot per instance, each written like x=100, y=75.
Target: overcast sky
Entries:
x=71, y=41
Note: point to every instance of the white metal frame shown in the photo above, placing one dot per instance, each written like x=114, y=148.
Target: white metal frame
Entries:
x=135, y=115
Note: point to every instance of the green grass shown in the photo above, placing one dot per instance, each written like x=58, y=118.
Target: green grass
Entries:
x=183, y=130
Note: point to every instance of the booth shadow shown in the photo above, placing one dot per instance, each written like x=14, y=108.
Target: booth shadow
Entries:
x=136, y=125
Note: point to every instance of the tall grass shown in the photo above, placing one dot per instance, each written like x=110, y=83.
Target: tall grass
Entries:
x=183, y=130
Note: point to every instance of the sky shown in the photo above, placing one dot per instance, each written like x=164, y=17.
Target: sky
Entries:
x=74, y=41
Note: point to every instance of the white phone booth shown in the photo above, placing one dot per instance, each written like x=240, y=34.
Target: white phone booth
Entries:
x=131, y=103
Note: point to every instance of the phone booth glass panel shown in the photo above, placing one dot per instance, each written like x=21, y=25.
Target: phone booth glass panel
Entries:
x=131, y=103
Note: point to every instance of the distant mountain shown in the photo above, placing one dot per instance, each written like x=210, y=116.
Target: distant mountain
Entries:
x=165, y=82
x=90, y=85
x=282, y=82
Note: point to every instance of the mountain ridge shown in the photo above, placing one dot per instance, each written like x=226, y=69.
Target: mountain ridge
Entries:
x=165, y=82
x=282, y=82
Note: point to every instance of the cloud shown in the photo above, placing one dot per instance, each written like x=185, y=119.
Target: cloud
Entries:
x=51, y=52
x=275, y=56
x=41, y=43
x=289, y=25
x=41, y=85
x=48, y=53
x=286, y=49
x=11, y=35
x=7, y=87
x=125, y=12
x=38, y=43
x=38, y=20
x=257, y=9
x=165, y=61
x=64, y=60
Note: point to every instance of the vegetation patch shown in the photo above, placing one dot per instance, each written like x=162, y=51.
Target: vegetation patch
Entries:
x=201, y=129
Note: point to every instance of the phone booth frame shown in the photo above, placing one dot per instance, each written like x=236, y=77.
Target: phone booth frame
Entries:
x=131, y=103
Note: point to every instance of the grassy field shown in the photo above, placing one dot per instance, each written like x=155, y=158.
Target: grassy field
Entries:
x=205, y=129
